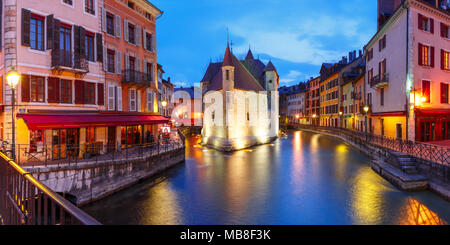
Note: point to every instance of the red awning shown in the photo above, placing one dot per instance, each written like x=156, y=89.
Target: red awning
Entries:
x=48, y=121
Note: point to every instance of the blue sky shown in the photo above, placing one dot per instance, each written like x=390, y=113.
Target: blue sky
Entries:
x=296, y=35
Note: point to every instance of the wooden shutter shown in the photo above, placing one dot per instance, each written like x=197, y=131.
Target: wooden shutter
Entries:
x=79, y=92
x=426, y=90
x=118, y=60
x=76, y=39
x=420, y=21
x=138, y=100
x=432, y=56
x=144, y=39
x=117, y=26
x=444, y=93
x=420, y=55
x=56, y=26
x=153, y=43
x=119, y=98
x=25, y=88
x=104, y=20
x=26, y=15
x=137, y=34
x=53, y=90
x=100, y=94
x=125, y=30
x=49, y=20
x=127, y=61
x=105, y=58
x=442, y=59
x=144, y=69
x=82, y=42
x=431, y=25
x=99, y=39
x=111, y=97
x=1, y=24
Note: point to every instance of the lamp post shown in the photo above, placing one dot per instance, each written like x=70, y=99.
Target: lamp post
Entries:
x=13, y=79
x=164, y=104
x=366, y=110
x=340, y=119
x=314, y=119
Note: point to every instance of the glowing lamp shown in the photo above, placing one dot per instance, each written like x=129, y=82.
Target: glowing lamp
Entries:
x=340, y=113
x=366, y=108
x=164, y=103
x=297, y=116
x=423, y=99
x=13, y=78
x=314, y=115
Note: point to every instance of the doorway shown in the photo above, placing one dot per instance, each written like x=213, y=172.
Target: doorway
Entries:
x=111, y=139
x=65, y=143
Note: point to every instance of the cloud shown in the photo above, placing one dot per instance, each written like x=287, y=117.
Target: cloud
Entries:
x=292, y=77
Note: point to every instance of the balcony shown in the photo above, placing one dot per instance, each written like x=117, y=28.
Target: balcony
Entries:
x=138, y=78
x=356, y=96
x=66, y=61
x=379, y=81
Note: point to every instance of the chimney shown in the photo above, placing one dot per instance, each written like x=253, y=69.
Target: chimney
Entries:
x=354, y=54
x=168, y=79
x=350, y=57
x=360, y=53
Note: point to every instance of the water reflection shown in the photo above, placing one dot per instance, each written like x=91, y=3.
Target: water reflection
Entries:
x=303, y=179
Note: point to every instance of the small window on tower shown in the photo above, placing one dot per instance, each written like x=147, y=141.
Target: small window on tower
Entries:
x=227, y=75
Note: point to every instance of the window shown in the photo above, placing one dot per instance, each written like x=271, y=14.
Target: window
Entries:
x=110, y=24
x=36, y=140
x=426, y=55
x=37, y=32
x=426, y=24
x=131, y=34
x=149, y=41
x=89, y=6
x=37, y=89
x=130, y=4
x=89, y=46
x=66, y=91
x=445, y=60
x=90, y=135
x=426, y=90
x=445, y=31
x=149, y=71
x=89, y=93
x=444, y=93
x=227, y=72
x=69, y=2
x=370, y=54
x=382, y=69
x=110, y=60
x=382, y=43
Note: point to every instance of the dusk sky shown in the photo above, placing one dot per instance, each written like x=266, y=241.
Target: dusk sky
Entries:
x=296, y=35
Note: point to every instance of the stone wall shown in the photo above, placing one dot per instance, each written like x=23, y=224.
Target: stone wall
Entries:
x=92, y=181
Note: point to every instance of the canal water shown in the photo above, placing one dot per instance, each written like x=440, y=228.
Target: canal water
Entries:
x=305, y=178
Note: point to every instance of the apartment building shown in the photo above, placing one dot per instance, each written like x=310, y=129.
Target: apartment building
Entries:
x=329, y=93
x=408, y=70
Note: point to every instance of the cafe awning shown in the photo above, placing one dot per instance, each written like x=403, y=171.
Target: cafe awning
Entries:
x=49, y=121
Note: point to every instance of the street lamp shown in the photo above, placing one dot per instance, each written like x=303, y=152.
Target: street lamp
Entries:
x=13, y=79
x=340, y=119
x=164, y=104
x=366, y=110
x=314, y=119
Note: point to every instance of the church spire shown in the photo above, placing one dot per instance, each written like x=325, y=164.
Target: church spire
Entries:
x=227, y=57
x=249, y=54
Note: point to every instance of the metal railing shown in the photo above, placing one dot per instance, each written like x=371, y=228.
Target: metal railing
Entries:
x=63, y=58
x=26, y=201
x=379, y=80
x=96, y=152
x=136, y=77
x=419, y=150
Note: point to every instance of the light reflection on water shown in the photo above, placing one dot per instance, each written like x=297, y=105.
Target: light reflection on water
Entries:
x=303, y=179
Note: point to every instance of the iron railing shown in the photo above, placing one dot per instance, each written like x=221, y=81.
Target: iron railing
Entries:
x=419, y=150
x=97, y=152
x=379, y=80
x=130, y=76
x=26, y=201
x=63, y=58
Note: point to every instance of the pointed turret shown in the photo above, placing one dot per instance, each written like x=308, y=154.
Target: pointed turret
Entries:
x=270, y=67
x=227, y=58
x=249, y=55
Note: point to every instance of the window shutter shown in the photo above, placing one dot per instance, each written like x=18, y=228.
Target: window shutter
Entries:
x=25, y=88
x=53, y=90
x=138, y=64
x=420, y=55
x=137, y=34
x=442, y=59
x=117, y=24
x=144, y=66
x=127, y=61
x=26, y=15
x=82, y=42
x=76, y=39
x=49, y=21
x=153, y=72
x=104, y=20
x=119, y=98
x=105, y=64
x=1, y=23
x=99, y=38
x=79, y=92
x=130, y=99
x=100, y=94
x=149, y=103
x=118, y=58
x=111, y=97
x=420, y=21
x=125, y=30
x=144, y=38
x=138, y=102
x=431, y=25
x=432, y=56
x=56, y=26
x=153, y=43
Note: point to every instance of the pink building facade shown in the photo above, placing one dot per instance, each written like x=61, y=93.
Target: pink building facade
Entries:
x=407, y=72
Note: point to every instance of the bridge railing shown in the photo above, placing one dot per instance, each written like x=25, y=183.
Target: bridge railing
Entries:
x=26, y=201
x=424, y=151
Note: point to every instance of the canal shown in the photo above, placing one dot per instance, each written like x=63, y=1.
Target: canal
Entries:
x=305, y=178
